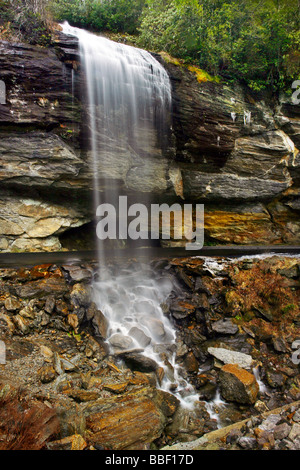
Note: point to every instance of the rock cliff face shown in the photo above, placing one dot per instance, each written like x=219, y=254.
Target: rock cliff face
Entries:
x=235, y=154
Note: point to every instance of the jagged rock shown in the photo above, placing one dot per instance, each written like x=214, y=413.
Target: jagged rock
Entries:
x=238, y=385
x=225, y=327
x=188, y=424
x=75, y=442
x=47, y=374
x=228, y=356
x=78, y=274
x=42, y=288
x=190, y=363
x=12, y=304
x=94, y=349
x=99, y=321
x=81, y=295
x=282, y=431
x=125, y=423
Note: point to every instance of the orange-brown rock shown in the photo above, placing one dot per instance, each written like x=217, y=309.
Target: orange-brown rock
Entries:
x=238, y=384
x=116, y=388
x=130, y=422
x=75, y=442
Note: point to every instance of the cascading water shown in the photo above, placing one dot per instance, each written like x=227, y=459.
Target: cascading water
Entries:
x=128, y=104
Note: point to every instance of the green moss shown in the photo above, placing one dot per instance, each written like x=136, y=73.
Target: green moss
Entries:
x=288, y=308
x=202, y=76
x=171, y=60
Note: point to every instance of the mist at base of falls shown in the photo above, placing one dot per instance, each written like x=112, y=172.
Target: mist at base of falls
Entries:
x=132, y=302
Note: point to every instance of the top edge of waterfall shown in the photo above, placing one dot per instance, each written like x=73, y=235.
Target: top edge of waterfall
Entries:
x=81, y=33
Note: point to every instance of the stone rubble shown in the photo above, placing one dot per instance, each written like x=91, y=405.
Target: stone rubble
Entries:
x=57, y=355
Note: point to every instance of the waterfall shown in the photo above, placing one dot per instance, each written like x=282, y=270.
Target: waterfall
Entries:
x=128, y=107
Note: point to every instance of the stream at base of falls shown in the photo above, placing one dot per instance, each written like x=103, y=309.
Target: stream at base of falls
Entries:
x=132, y=301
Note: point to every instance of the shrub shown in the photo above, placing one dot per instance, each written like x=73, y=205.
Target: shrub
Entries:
x=25, y=425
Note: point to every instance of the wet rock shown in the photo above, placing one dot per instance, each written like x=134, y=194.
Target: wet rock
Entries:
x=166, y=402
x=119, y=341
x=279, y=344
x=189, y=424
x=99, y=322
x=81, y=295
x=190, y=363
x=139, y=362
x=57, y=364
x=22, y=324
x=238, y=385
x=61, y=307
x=78, y=274
x=187, y=280
x=200, y=287
x=47, y=353
x=155, y=326
x=194, y=339
x=265, y=439
x=73, y=321
x=270, y=423
x=233, y=436
x=42, y=288
x=67, y=366
x=28, y=312
x=207, y=392
x=296, y=416
x=71, y=419
x=182, y=309
x=181, y=349
x=116, y=388
x=140, y=337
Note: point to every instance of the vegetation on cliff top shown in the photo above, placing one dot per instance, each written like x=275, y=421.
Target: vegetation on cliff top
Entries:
x=28, y=20
x=249, y=40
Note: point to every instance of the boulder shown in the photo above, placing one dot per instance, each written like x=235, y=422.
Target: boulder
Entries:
x=138, y=361
x=228, y=356
x=140, y=336
x=129, y=422
x=225, y=327
x=119, y=341
x=238, y=385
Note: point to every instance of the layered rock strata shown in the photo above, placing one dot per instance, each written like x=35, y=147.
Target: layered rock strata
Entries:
x=232, y=151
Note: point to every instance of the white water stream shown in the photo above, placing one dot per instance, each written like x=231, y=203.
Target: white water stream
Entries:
x=128, y=104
